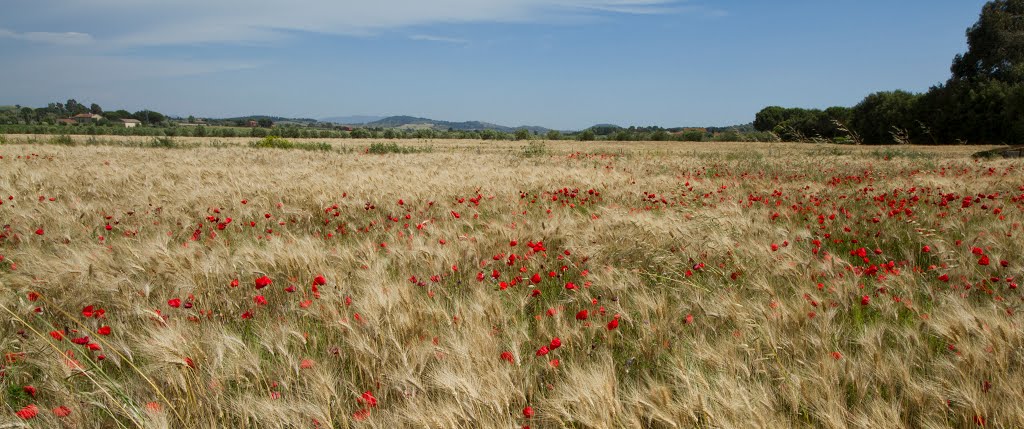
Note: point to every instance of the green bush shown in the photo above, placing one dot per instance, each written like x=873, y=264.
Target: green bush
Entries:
x=535, y=149
x=392, y=147
x=272, y=142
x=62, y=140
x=163, y=142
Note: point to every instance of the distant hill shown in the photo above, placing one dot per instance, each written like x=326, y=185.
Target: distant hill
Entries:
x=421, y=123
x=352, y=120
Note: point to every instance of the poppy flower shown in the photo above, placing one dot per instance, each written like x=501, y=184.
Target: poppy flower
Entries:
x=543, y=350
x=865, y=300
x=103, y=330
x=39, y=232
x=926, y=249
x=263, y=282
x=582, y=315
x=688, y=319
x=507, y=356
x=30, y=390
x=62, y=411
x=556, y=343
x=361, y=414
x=983, y=260
x=837, y=355
x=234, y=283
x=528, y=412
x=319, y=281
x=174, y=302
x=977, y=251
x=28, y=412
x=260, y=300
x=944, y=277
x=368, y=399
x=613, y=324
x=535, y=278
x=80, y=340
x=57, y=335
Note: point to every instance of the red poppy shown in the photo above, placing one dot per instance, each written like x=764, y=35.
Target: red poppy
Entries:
x=319, y=281
x=260, y=300
x=507, y=356
x=57, y=335
x=174, y=302
x=983, y=260
x=368, y=399
x=28, y=412
x=543, y=351
x=528, y=412
x=263, y=282
x=62, y=411
x=865, y=300
x=613, y=324
x=39, y=232
x=535, y=278
x=582, y=315
x=556, y=343
x=30, y=390
x=103, y=330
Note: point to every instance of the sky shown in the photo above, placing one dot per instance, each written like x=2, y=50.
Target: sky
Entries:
x=563, y=64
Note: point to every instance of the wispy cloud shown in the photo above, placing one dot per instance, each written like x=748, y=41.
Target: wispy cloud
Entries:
x=442, y=39
x=191, y=22
x=68, y=38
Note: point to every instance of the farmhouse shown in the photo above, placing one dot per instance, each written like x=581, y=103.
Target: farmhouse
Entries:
x=84, y=118
x=131, y=123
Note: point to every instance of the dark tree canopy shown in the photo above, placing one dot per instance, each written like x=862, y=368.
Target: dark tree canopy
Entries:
x=995, y=44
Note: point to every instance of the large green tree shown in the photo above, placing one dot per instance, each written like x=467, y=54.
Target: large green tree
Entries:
x=995, y=45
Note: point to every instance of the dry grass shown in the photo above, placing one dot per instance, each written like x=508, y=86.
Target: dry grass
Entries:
x=672, y=231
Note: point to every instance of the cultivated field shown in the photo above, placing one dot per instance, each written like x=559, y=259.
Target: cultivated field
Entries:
x=503, y=285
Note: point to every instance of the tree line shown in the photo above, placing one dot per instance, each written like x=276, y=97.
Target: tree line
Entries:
x=981, y=103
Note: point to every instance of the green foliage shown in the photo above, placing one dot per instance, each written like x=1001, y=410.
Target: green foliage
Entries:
x=586, y=136
x=883, y=115
x=3, y=139
x=522, y=134
x=553, y=135
x=692, y=136
x=163, y=142
x=535, y=149
x=995, y=45
x=381, y=148
x=796, y=124
x=275, y=142
x=62, y=140
x=272, y=142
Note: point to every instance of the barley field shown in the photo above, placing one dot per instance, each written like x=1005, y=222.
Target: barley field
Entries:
x=472, y=284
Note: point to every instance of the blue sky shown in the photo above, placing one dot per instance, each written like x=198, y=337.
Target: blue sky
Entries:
x=564, y=64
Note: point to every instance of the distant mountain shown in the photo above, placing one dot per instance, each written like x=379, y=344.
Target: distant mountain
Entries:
x=424, y=123
x=352, y=120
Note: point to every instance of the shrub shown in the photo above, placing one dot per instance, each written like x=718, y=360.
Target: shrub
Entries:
x=62, y=140
x=272, y=142
x=392, y=147
x=535, y=149
x=163, y=142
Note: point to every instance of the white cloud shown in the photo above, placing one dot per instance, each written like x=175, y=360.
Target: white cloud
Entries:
x=442, y=39
x=69, y=38
x=186, y=22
